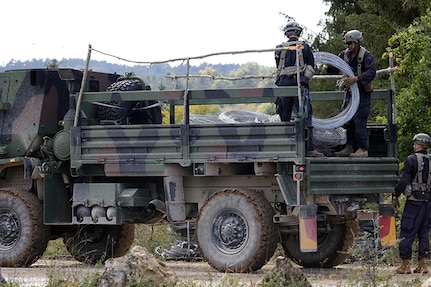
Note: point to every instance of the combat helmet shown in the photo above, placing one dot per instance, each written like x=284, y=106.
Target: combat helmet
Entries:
x=353, y=36
x=292, y=28
x=422, y=139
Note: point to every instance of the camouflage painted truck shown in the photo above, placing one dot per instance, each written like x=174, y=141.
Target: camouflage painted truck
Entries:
x=87, y=166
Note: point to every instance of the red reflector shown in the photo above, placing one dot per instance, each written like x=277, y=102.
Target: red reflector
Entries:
x=297, y=176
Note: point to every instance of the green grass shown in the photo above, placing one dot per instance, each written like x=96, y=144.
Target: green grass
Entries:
x=148, y=236
x=151, y=236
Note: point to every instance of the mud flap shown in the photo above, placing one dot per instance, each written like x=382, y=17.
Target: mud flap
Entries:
x=388, y=236
x=308, y=228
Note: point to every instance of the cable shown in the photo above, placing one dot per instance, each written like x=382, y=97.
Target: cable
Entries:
x=321, y=58
x=349, y=111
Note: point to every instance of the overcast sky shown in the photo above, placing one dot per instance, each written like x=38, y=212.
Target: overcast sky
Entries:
x=149, y=30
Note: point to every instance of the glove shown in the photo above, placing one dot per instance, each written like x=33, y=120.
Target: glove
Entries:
x=350, y=81
x=395, y=203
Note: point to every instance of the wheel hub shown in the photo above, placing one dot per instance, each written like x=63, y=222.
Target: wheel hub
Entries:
x=230, y=232
x=9, y=229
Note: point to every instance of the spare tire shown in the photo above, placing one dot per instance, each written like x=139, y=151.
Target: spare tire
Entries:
x=129, y=112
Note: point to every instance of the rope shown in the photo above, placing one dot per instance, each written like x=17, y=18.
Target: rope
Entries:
x=189, y=58
x=132, y=109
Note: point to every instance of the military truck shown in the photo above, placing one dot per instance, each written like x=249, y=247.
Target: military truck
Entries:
x=86, y=159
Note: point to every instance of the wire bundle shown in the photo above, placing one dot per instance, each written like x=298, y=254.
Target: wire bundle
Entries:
x=349, y=111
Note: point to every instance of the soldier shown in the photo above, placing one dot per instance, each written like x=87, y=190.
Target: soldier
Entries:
x=414, y=182
x=363, y=64
x=287, y=71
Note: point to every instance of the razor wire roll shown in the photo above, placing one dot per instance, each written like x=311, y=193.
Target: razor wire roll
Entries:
x=349, y=111
x=331, y=123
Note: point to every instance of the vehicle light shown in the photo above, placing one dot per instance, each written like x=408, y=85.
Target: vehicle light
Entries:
x=298, y=172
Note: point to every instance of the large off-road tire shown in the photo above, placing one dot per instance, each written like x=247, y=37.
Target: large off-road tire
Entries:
x=333, y=247
x=123, y=111
x=23, y=236
x=235, y=230
x=96, y=243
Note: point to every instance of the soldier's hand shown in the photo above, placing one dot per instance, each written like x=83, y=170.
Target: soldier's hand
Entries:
x=395, y=203
x=350, y=81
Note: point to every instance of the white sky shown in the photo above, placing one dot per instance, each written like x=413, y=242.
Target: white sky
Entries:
x=149, y=30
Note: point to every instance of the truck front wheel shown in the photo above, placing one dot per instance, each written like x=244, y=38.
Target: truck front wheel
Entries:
x=94, y=243
x=235, y=231
x=23, y=236
x=333, y=246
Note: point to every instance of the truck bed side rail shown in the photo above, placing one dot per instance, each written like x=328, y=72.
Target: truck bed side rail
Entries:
x=351, y=176
x=142, y=149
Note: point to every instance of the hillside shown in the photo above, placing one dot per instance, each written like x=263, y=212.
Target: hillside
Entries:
x=154, y=75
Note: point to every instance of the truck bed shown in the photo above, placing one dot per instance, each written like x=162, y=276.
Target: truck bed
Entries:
x=135, y=147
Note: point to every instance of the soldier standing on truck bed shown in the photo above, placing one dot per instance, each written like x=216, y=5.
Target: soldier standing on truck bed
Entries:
x=287, y=71
x=415, y=184
x=363, y=65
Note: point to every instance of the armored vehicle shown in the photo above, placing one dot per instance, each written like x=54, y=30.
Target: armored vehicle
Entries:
x=85, y=160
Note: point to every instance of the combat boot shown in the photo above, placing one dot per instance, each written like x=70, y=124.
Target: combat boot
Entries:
x=404, y=268
x=422, y=266
x=314, y=153
x=346, y=151
x=359, y=153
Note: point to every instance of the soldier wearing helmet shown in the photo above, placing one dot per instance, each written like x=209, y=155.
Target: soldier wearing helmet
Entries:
x=295, y=66
x=363, y=66
x=414, y=182
x=292, y=29
x=354, y=36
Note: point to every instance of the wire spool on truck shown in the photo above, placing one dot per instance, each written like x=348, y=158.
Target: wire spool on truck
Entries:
x=87, y=164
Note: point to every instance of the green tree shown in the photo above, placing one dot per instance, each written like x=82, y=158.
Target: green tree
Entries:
x=404, y=26
x=377, y=20
x=412, y=49
x=52, y=64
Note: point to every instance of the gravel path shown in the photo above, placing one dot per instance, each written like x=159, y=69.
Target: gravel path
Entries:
x=200, y=272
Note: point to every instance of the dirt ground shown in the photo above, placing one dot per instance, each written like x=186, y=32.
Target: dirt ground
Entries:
x=355, y=274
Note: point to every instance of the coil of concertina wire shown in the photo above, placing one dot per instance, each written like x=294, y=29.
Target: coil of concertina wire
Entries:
x=321, y=58
x=324, y=58
x=332, y=123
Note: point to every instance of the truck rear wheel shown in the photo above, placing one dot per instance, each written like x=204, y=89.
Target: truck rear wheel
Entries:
x=94, y=243
x=235, y=230
x=333, y=247
x=23, y=236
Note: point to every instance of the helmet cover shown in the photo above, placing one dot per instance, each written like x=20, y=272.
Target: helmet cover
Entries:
x=353, y=36
x=422, y=139
x=292, y=28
